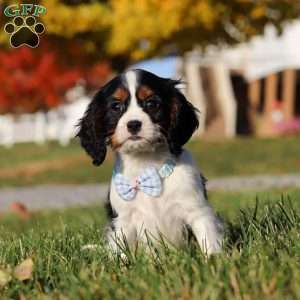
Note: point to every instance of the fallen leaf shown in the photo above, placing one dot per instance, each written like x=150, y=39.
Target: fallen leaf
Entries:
x=24, y=270
x=21, y=296
x=20, y=210
x=5, y=277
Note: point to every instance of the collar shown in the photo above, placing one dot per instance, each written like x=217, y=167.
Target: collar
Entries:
x=165, y=171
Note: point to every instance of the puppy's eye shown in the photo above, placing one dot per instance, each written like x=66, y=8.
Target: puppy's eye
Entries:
x=117, y=106
x=153, y=103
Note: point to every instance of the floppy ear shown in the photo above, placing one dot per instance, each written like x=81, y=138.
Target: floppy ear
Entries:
x=92, y=129
x=184, y=120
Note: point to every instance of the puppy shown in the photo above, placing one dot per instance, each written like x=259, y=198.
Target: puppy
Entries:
x=156, y=188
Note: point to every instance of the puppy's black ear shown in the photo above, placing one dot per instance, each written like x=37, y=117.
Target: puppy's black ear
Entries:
x=184, y=120
x=92, y=129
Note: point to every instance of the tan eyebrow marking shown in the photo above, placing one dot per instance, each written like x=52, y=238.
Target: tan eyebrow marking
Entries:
x=144, y=92
x=121, y=94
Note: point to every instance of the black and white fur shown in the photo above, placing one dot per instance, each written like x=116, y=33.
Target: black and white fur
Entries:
x=146, y=120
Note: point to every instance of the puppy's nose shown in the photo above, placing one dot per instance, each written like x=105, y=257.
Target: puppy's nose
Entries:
x=134, y=126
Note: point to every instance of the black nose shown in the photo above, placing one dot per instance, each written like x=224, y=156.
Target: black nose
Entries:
x=134, y=126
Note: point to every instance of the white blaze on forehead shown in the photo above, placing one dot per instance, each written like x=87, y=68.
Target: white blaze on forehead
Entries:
x=148, y=132
x=131, y=79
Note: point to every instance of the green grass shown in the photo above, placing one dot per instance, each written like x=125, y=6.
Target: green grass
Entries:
x=248, y=156
x=29, y=164
x=261, y=258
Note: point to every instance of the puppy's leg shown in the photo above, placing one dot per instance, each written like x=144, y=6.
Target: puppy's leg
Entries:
x=122, y=232
x=207, y=229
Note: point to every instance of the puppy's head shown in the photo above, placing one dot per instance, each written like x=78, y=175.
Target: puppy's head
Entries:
x=136, y=112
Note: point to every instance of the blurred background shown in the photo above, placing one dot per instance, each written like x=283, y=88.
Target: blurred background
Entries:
x=239, y=61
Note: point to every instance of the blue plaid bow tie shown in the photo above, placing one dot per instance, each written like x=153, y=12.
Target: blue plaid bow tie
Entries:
x=149, y=182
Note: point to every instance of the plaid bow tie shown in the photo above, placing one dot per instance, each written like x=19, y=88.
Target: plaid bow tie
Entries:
x=149, y=182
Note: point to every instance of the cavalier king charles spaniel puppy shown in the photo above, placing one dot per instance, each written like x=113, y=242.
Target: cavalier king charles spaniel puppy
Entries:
x=156, y=188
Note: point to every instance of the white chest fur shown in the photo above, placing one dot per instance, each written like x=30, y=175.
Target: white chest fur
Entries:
x=183, y=194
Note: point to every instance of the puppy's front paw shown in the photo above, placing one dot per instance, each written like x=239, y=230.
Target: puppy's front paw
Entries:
x=209, y=234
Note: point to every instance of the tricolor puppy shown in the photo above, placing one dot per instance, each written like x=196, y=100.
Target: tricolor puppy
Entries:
x=156, y=188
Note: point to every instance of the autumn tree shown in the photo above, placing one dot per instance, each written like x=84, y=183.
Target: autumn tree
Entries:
x=136, y=29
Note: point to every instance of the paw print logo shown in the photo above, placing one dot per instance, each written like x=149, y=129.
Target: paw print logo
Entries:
x=24, y=31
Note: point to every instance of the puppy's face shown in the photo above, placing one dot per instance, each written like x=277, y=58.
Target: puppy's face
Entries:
x=136, y=112
x=142, y=114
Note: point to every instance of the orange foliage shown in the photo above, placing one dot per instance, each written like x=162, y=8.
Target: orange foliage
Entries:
x=35, y=79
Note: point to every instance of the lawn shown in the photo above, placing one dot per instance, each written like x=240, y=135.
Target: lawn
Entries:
x=261, y=258
x=29, y=164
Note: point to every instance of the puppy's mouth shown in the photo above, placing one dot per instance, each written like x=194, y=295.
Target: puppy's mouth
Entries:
x=138, y=140
x=132, y=138
x=135, y=138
